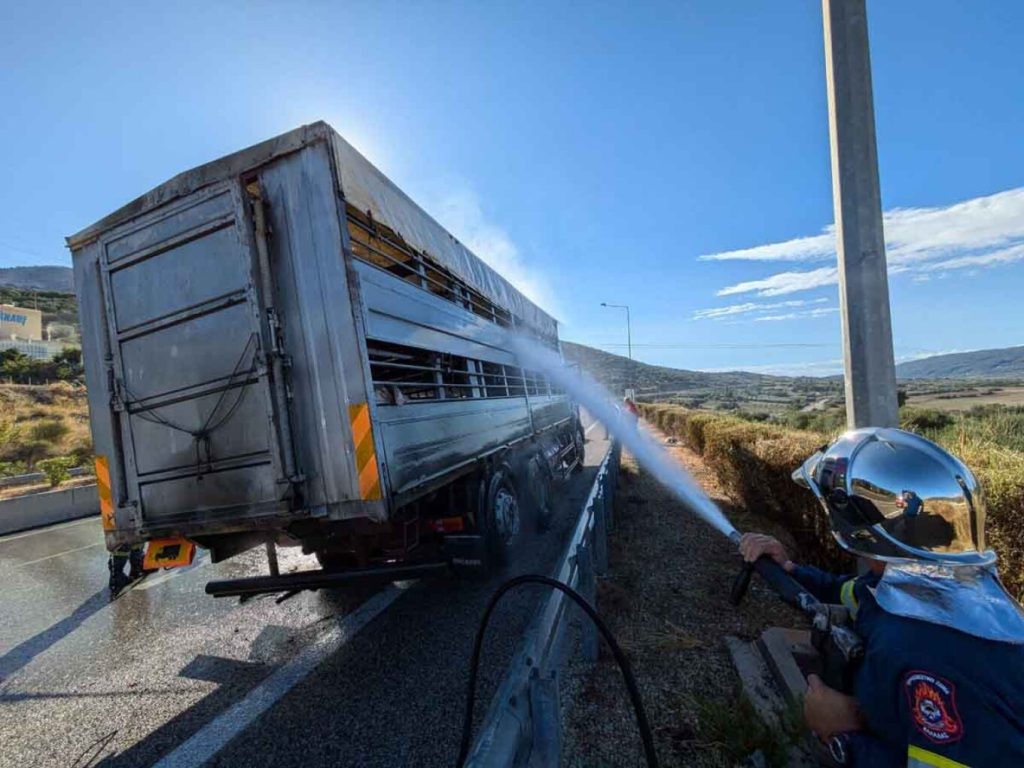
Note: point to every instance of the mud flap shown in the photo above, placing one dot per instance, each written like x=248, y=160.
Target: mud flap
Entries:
x=467, y=553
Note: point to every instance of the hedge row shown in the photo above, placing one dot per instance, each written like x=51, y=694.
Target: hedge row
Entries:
x=754, y=461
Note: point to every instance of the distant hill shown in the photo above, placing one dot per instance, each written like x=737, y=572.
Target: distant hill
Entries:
x=58, y=279
x=983, y=363
x=61, y=308
x=728, y=389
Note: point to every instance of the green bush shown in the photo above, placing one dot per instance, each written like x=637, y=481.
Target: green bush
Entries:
x=57, y=470
x=49, y=430
x=28, y=452
x=12, y=468
x=82, y=452
x=925, y=420
x=754, y=461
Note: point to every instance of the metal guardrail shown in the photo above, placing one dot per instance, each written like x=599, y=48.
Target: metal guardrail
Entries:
x=37, y=477
x=523, y=724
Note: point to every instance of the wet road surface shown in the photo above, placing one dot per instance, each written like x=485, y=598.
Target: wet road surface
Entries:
x=364, y=676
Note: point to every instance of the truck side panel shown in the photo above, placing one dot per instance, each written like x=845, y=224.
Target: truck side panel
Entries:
x=328, y=375
x=423, y=441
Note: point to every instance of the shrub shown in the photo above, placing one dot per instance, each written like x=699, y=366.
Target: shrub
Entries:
x=82, y=452
x=12, y=468
x=28, y=452
x=754, y=461
x=924, y=421
x=49, y=430
x=57, y=469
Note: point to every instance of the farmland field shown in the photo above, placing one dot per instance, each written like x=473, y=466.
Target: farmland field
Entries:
x=967, y=398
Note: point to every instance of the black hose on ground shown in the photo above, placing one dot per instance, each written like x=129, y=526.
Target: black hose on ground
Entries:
x=620, y=658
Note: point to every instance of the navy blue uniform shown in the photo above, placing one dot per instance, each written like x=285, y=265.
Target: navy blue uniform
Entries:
x=931, y=695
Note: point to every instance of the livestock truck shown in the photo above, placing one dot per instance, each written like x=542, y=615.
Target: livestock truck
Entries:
x=282, y=349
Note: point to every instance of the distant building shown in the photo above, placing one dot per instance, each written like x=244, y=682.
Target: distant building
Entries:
x=20, y=323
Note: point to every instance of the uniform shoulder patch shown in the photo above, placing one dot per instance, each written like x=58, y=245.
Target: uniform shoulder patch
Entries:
x=932, y=701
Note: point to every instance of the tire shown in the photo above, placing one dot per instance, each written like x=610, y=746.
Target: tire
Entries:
x=501, y=518
x=579, y=440
x=538, y=483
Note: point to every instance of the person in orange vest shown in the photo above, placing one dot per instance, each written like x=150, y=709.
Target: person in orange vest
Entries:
x=631, y=408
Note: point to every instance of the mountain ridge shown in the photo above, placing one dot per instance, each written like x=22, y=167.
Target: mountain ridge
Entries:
x=1003, y=362
x=40, y=278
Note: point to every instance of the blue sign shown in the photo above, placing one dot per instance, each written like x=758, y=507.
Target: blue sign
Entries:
x=8, y=317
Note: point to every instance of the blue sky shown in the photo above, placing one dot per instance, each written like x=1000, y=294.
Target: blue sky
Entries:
x=591, y=151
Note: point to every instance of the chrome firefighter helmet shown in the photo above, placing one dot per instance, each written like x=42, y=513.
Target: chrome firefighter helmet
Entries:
x=894, y=496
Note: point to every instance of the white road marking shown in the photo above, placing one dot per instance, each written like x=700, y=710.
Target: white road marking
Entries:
x=48, y=529
x=59, y=554
x=587, y=430
x=216, y=734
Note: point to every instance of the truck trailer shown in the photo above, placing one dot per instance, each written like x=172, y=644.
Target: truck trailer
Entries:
x=281, y=348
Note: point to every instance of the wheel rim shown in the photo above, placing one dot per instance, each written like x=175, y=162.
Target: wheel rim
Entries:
x=506, y=514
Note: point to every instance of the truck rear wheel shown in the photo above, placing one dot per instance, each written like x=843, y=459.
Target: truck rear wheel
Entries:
x=501, y=521
x=579, y=440
x=538, y=481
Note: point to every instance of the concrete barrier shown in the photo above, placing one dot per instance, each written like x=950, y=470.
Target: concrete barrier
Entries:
x=38, y=509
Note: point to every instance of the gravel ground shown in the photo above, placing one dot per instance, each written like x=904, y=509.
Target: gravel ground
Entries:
x=666, y=601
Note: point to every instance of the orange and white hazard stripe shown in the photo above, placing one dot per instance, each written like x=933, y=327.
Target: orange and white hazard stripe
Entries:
x=105, y=493
x=366, y=452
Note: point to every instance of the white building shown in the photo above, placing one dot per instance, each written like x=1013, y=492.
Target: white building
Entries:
x=38, y=350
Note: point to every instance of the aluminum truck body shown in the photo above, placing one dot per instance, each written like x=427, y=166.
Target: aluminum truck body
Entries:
x=281, y=346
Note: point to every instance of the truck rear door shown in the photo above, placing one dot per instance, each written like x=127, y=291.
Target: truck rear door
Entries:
x=203, y=436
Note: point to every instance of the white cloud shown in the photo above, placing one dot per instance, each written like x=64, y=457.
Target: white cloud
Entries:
x=819, y=312
x=785, y=282
x=1002, y=256
x=918, y=241
x=751, y=307
x=460, y=212
x=812, y=248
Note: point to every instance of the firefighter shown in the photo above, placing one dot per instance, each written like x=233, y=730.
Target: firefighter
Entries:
x=132, y=556
x=942, y=679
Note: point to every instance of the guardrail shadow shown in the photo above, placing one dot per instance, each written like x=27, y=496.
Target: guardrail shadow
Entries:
x=21, y=654
x=234, y=679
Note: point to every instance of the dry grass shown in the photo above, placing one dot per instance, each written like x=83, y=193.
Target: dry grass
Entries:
x=754, y=462
x=40, y=422
x=968, y=398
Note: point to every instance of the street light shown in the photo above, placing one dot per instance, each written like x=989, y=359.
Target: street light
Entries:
x=629, y=338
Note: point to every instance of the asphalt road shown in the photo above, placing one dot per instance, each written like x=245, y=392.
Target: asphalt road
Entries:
x=367, y=676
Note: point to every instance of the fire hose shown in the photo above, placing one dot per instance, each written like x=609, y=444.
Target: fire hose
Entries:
x=841, y=648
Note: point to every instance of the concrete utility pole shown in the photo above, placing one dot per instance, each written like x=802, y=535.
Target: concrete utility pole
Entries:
x=863, y=281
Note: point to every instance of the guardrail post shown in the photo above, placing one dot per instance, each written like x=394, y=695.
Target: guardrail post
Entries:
x=612, y=485
x=601, y=504
x=588, y=588
x=546, y=747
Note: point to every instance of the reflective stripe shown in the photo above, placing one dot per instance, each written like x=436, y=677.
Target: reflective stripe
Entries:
x=366, y=452
x=920, y=758
x=106, y=495
x=848, y=599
